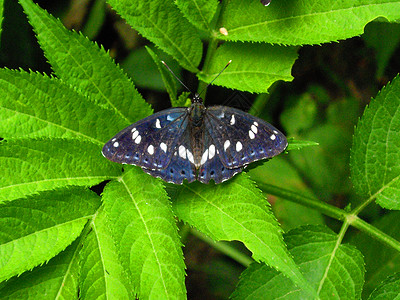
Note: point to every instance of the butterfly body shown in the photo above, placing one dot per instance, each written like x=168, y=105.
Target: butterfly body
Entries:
x=195, y=143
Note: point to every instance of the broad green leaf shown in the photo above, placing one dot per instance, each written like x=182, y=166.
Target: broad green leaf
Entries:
x=145, y=234
x=34, y=105
x=83, y=65
x=163, y=24
x=375, y=154
x=237, y=210
x=335, y=271
x=58, y=279
x=167, y=77
x=101, y=275
x=198, y=12
x=380, y=260
x=279, y=172
x=36, y=228
x=388, y=289
x=303, y=22
x=254, y=67
x=30, y=166
x=384, y=44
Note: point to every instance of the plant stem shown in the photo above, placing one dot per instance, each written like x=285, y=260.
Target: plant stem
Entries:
x=348, y=217
x=225, y=248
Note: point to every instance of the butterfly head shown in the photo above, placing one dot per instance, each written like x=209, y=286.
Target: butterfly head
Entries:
x=197, y=99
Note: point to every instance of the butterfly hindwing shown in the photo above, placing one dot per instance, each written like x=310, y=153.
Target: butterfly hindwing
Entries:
x=181, y=165
x=149, y=142
x=242, y=138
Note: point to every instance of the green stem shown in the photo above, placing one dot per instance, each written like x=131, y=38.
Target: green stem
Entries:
x=348, y=217
x=225, y=248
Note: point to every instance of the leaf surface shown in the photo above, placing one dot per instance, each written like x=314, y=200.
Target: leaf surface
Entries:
x=303, y=22
x=30, y=166
x=335, y=271
x=163, y=24
x=35, y=229
x=198, y=12
x=254, y=67
x=83, y=65
x=237, y=210
x=375, y=154
x=145, y=234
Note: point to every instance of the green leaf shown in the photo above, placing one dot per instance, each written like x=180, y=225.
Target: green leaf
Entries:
x=254, y=67
x=334, y=270
x=242, y=214
x=145, y=233
x=388, y=289
x=198, y=12
x=280, y=173
x=383, y=44
x=163, y=24
x=298, y=144
x=34, y=105
x=83, y=65
x=35, y=229
x=101, y=274
x=167, y=77
x=380, y=261
x=30, y=166
x=58, y=279
x=375, y=159
x=303, y=22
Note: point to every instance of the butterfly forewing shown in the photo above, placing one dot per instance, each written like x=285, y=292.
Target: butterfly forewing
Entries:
x=149, y=143
x=242, y=138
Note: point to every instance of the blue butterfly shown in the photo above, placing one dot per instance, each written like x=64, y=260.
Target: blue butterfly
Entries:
x=195, y=143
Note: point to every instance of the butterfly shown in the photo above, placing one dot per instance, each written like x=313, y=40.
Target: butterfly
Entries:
x=195, y=143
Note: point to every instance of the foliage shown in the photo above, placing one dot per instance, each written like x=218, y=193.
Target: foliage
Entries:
x=60, y=239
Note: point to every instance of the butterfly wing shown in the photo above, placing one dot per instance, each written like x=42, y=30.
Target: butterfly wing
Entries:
x=149, y=143
x=211, y=166
x=242, y=138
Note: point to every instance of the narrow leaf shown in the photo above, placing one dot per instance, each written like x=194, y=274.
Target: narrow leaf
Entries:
x=303, y=22
x=198, y=12
x=254, y=67
x=242, y=214
x=375, y=159
x=333, y=270
x=58, y=279
x=163, y=24
x=30, y=166
x=85, y=66
x=35, y=229
x=167, y=77
x=102, y=276
x=34, y=105
x=145, y=234
x=388, y=289
x=298, y=144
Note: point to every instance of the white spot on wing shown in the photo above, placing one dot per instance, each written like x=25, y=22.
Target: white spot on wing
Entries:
x=116, y=144
x=158, y=124
x=273, y=137
x=135, y=134
x=182, y=151
x=204, y=157
x=138, y=139
x=251, y=134
x=232, y=121
x=133, y=129
x=163, y=147
x=150, y=149
x=211, y=151
x=169, y=118
x=227, y=144
x=276, y=132
x=190, y=156
x=113, y=140
x=254, y=128
x=239, y=146
x=255, y=123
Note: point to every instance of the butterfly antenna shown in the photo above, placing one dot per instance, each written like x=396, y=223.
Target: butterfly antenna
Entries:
x=229, y=62
x=176, y=76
